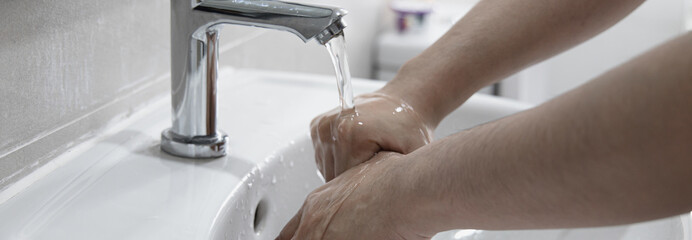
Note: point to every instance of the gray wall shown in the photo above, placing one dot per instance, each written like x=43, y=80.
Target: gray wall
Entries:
x=68, y=69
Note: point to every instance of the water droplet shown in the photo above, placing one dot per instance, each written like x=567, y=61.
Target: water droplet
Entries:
x=290, y=163
x=399, y=109
x=273, y=179
x=249, y=185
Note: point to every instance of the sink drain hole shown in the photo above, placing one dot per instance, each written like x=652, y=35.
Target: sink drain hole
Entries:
x=260, y=215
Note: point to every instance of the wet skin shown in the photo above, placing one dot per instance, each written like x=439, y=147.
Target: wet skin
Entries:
x=344, y=139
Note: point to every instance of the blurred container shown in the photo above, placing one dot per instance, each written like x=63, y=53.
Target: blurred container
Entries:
x=395, y=47
x=419, y=24
x=411, y=14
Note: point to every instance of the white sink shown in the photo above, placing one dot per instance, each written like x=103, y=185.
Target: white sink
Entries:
x=120, y=185
x=276, y=188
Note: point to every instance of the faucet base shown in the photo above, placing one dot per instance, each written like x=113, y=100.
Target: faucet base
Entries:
x=212, y=146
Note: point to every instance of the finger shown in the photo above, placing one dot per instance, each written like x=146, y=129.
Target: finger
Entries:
x=319, y=144
x=348, y=157
x=307, y=231
x=340, y=157
x=314, y=122
x=301, y=234
x=318, y=159
x=309, y=228
x=325, y=143
x=328, y=161
x=385, y=155
x=342, y=153
x=290, y=229
x=417, y=140
x=368, y=151
x=340, y=163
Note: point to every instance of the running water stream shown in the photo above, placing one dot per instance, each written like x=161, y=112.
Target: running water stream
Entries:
x=337, y=49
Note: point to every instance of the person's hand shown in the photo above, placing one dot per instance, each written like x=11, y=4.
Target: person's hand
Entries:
x=379, y=122
x=369, y=201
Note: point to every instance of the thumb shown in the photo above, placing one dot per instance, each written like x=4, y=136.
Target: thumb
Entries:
x=291, y=227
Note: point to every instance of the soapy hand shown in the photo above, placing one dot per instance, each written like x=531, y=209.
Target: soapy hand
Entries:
x=379, y=122
x=365, y=202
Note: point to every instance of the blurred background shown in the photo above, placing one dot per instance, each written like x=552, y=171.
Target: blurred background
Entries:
x=378, y=44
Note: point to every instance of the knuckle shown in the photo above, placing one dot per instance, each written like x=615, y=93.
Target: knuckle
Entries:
x=323, y=126
x=312, y=199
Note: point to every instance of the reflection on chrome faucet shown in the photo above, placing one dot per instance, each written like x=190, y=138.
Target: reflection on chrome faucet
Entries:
x=194, y=59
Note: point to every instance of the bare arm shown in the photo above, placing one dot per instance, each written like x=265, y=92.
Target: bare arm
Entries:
x=616, y=150
x=494, y=40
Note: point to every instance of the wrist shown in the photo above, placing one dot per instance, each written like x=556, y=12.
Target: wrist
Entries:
x=430, y=89
x=412, y=209
x=423, y=109
x=398, y=104
x=426, y=183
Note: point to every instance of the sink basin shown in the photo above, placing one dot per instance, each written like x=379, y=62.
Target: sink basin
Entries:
x=276, y=188
x=120, y=185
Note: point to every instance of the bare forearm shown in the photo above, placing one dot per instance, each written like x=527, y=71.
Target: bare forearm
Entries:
x=616, y=150
x=494, y=40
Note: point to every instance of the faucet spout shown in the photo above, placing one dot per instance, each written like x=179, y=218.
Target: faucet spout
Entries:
x=305, y=21
x=194, y=60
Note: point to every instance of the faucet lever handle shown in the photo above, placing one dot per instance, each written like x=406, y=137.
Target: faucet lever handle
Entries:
x=263, y=7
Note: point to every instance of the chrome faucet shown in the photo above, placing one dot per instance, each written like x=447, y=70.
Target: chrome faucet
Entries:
x=195, y=28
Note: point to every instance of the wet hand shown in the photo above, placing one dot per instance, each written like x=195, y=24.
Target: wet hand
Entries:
x=379, y=122
x=365, y=202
